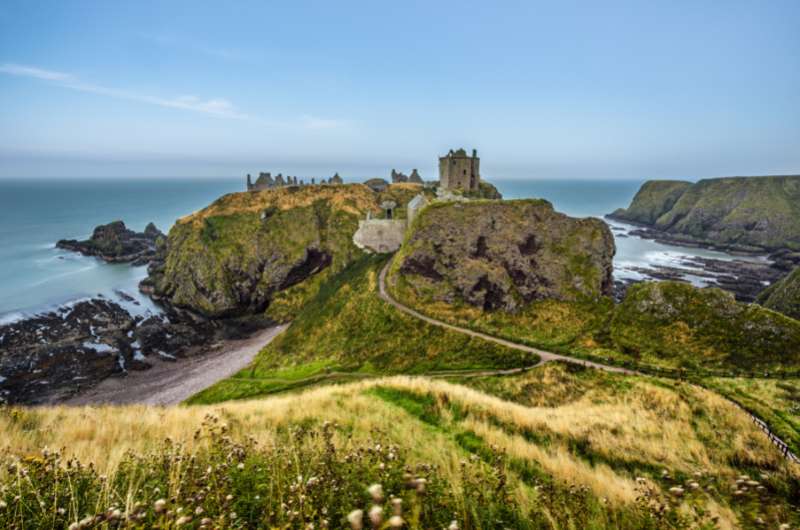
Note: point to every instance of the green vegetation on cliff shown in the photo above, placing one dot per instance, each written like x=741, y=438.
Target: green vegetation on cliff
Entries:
x=748, y=212
x=680, y=325
x=783, y=296
x=654, y=199
x=269, y=250
x=346, y=331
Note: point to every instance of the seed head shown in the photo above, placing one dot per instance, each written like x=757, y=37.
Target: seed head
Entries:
x=376, y=515
x=396, y=521
x=356, y=519
x=376, y=492
x=186, y=519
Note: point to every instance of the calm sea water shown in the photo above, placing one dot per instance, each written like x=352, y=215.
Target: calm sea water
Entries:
x=34, y=214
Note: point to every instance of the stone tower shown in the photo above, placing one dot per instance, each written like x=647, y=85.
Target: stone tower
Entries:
x=457, y=170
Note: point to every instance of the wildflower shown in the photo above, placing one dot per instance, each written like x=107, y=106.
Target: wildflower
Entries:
x=376, y=492
x=115, y=514
x=186, y=519
x=229, y=498
x=694, y=485
x=3, y=505
x=397, y=504
x=356, y=519
x=205, y=522
x=376, y=515
x=676, y=490
x=240, y=466
x=159, y=505
x=74, y=526
x=453, y=525
x=419, y=485
x=199, y=510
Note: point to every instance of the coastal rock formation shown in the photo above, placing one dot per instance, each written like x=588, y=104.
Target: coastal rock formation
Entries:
x=232, y=258
x=54, y=355
x=784, y=295
x=733, y=213
x=114, y=242
x=502, y=255
x=673, y=320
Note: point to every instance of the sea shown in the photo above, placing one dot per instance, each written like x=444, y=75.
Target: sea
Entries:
x=36, y=277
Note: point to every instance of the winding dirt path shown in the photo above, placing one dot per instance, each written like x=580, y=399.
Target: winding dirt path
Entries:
x=545, y=356
x=172, y=382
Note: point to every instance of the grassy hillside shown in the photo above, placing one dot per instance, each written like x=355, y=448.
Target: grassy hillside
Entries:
x=554, y=448
x=346, y=331
x=776, y=401
x=784, y=295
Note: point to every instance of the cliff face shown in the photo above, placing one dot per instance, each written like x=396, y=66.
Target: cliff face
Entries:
x=502, y=255
x=233, y=257
x=759, y=212
x=654, y=199
x=705, y=326
x=784, y=295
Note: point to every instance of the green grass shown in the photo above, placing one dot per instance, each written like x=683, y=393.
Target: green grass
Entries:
x=347, y=329
x=776, y=401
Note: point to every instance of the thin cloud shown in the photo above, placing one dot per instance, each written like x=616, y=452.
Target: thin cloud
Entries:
x=216, y=107
x=317, y=123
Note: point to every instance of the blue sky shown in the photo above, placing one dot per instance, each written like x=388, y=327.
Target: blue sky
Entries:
x=543, y=90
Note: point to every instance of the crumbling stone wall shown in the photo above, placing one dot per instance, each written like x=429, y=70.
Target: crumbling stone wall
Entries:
x=380, y=235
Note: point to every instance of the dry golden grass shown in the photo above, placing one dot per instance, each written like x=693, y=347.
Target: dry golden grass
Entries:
x=351, y=198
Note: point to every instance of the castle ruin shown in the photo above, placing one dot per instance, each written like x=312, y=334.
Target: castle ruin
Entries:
x=457, y=170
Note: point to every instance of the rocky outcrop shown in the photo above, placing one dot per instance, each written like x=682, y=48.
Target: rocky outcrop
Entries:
x=784, y=295
x=486, y=190
x=733, y=213
x=54, y=355
x=114, y=242
x=503, y=255
x=704, y=327
x=233, y=257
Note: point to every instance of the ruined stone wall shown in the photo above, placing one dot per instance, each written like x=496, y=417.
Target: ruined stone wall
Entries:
x=380, y=235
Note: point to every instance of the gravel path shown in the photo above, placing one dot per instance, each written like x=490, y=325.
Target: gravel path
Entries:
x=171, y=382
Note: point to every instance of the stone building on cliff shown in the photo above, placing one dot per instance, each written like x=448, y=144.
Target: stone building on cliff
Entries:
x=457, y=170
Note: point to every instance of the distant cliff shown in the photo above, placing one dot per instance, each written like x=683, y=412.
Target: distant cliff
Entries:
x=737, y=212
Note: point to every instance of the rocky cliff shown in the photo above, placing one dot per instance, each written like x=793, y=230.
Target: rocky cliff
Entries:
x=784, y=295
x=673, y=320
x=233, y=257
x=503, y=255
x=749, y=213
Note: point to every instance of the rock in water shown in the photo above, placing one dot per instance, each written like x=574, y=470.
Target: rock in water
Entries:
x=502, y=255
x=736, y=213
x=784, y=295
x=114, y=242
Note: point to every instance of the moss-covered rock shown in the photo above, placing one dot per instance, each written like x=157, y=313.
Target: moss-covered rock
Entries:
x=234, y=257
x=745, y=212
x=702, y=327
x=505, y=254
x=784, y=295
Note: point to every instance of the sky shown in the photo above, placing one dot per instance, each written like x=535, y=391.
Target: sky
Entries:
x=556, y=90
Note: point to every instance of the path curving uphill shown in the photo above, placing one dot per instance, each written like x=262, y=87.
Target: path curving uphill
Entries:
x=545, y=356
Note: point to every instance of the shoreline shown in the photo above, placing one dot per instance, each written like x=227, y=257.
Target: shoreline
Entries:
x=172, y=382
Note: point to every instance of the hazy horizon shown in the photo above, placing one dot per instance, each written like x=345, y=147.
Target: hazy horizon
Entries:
x=622, y=90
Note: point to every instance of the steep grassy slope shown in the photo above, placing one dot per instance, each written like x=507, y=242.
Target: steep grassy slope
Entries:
x=677, y=324
x=776, y=401
x=654, y=199
x=743, y=211
x=784, y=295
x=347, y=331
x=560, y=448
